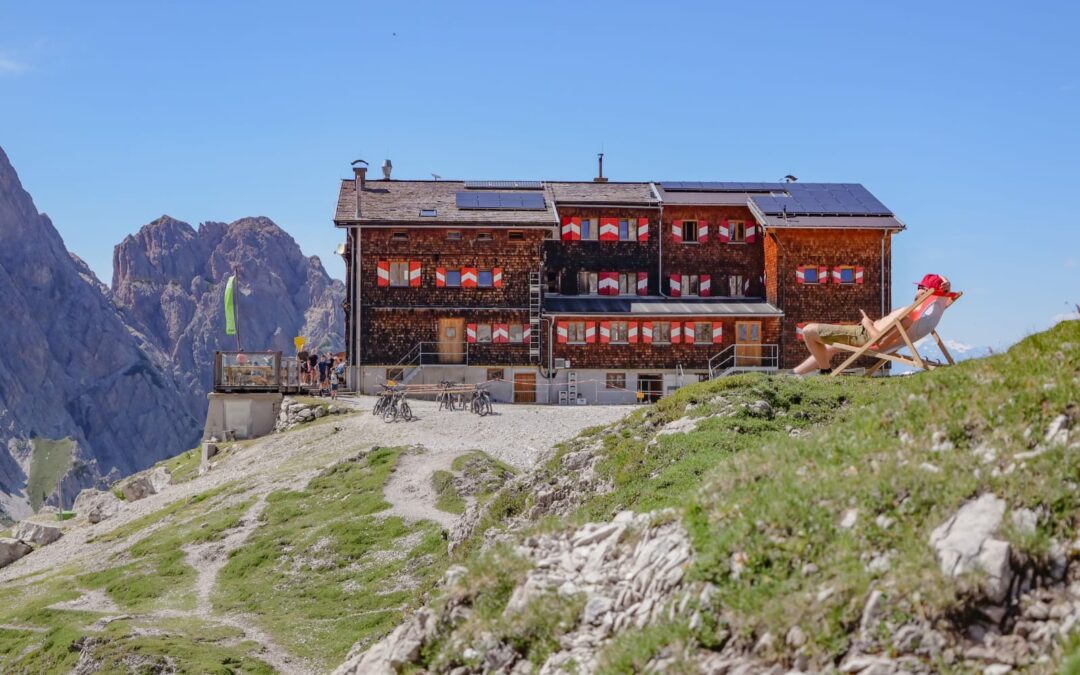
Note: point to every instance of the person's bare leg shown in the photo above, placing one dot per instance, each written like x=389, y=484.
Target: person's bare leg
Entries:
x=818, y=348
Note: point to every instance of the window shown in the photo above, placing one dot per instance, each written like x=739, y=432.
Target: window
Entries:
x=661, y=331
x=399, y=274
x=575, y=331
x=616, y=380
x=619, y=332
x=483, y=332
x=702, y=332
x=736, y=284
x=484, y=279
x=689, y=284
x=483, y=236
x=738, y=230
x=453, y=235
x=428, y=213
x=847, y=275
x=590, y=229
x=394, y=374
x=810, y=275
x=628, y=230
x=588, y=283
x=399, y=235
x=690, y=231
x=552, y=281
x=453, y=278
x=627, y=283
x=515, y=235
x=516, y=335
x=494, y=374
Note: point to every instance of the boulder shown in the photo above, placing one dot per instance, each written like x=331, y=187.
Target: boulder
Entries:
x=12, y=549
x=966, y=543
x=137, y=488
x=96, y=505
x=160, y=478
x=39, y=534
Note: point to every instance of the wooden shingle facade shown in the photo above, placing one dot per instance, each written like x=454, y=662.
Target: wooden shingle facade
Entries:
x=596, y=291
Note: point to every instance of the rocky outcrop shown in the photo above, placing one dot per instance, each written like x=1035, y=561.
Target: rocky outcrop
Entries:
x=96, y=505
x=72, y=369
x=170, y=279
x=12, y=549
x=38, y=534
x=294, y=413
x=967, y=543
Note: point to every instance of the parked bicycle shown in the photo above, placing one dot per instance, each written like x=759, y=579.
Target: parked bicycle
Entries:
x=481, y=402
x=383, y=402
x=397, y=408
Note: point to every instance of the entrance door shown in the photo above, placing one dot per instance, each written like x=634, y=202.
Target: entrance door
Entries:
x=524, y=387
x=451, y=340
x=652, y=386
x=748, y=343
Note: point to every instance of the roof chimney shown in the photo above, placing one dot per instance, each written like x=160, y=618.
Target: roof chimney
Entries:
x=387, y=167
x=359, y=168
x=600, y=178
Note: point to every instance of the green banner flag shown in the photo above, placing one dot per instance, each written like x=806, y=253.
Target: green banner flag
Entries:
x=230, y=308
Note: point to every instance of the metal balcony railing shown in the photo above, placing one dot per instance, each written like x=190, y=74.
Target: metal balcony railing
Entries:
x=742, y=357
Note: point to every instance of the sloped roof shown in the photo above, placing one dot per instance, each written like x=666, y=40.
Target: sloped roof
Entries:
x=631, y=194
x=651, y=306
x=395, y=201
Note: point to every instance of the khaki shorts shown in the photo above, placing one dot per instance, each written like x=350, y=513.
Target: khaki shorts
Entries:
x=856, y=336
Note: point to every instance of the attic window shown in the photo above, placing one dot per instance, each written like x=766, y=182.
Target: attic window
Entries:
x=515, y=235
x=453, y=235
x=428, y=213
x=483, y=236
x=399, y=235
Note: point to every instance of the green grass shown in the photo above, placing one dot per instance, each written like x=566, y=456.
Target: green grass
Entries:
x=184, y=466
x=325, y=568
x=49, y=460
x=182, y=507
x=449, y=499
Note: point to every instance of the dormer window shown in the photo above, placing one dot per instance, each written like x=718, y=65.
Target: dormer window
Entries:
x=428, y=213
x=399, y=235
x=483, y=236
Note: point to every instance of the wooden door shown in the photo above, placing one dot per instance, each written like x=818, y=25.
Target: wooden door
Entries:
x=451, y=340
x=748, y=343
x=524, y=387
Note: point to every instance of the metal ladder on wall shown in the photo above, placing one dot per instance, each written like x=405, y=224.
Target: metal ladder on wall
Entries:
x=535, y=310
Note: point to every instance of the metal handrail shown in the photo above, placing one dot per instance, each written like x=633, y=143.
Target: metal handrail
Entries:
x=761, y=356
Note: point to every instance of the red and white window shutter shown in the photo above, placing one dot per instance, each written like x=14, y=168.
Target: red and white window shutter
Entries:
x=676, y=285
x=703, y=231
x=414, y=273
x=717, y=332
x=383, y=273
x=470, y=332
x=646, y=332
x=440, y=277
x=751, y=232
x=676, y=231
x=496, y=277
x=800, y=274
x=500, y=332
x=571, y=228
x=468, y=277
x=836, y=275
x=724, y=232
x=562, y=331
x=705, y=285
x=823, y=275
x=676, y=333
x=858, y=275
x=631, y=332
x=605, y=332
x=643, y=229
x=642, y=283
x=590, y=332
x=609, y=229
x=608, y=283
x=688, y=332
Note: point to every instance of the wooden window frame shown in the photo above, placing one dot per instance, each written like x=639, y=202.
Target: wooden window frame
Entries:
x=619, y=380
x=703, y=326
x=571, y=328
x=591, y=228
x=495, y=374
x=485, y=236
x=447, y=281
x=515, y=235
x=390, y=272
x=807, y=269
x=849, y=268
x=736, y=289
x=480, y=327
x=735, y=229
x=656, y=332
x=686, y=225
x=454, y=235
x=399, y=235
x=631, y=229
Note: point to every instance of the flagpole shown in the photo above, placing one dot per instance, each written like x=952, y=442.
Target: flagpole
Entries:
x=236, y=306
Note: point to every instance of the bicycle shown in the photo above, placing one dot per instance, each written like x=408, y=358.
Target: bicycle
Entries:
x=446, y=396
x=481, y=402
x=383, y=402
x=398, y=407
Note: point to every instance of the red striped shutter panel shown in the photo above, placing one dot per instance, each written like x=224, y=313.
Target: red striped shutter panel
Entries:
x=676, y=231
x=605, y=332
x=470, y=332
x=496, y=276
x=858, y=275
x=751, y=233
x=469, y=277
x=800, y=275
x=705, y=285
x=676, y=286
x=631, y=331
x=440, y=277
x=562, y=331
x=609, y=229
x=717, y=332
x=500, y=332
x=642, y=283
x=725, y=231
x=383, y=273
x=689, y=328
x=643, y=229
x=676, y=333
x=703, y=232
x=414, y=273
x=823, y=275
x=590, y=332
x=607, y=283
x=571, y=228
x=646, y=332
x=836, y=275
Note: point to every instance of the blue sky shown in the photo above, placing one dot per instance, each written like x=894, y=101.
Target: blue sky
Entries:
x=961, y=117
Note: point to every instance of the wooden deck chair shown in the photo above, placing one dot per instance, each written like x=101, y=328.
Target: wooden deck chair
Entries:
x=893, y=328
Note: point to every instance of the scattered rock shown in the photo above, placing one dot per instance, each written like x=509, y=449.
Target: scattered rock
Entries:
x=137, y=488
x=97, y=505
x=39, y=534
x=851, y=516
x=11, y=550
x=966, y=543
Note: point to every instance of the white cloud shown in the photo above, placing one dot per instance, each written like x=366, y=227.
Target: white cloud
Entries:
x=960, y=347
x=1067, y=316
x=9, y=66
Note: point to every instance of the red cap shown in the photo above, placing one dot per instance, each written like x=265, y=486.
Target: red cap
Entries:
x=931, y=281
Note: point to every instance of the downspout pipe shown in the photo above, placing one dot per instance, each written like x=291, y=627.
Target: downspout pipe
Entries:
x=660, y=241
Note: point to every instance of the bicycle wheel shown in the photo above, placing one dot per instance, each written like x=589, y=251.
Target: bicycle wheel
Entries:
x=406, y=411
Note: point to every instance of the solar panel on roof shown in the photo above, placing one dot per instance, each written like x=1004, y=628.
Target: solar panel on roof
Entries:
x=504, y=184
x=818, y=199
x=720, y=186
x=520, y=201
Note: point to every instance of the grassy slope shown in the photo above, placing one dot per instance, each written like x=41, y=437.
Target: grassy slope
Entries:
x=49, y=461
x=750, y=490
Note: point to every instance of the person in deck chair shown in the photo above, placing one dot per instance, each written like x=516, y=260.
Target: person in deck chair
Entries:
x=818, y=336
